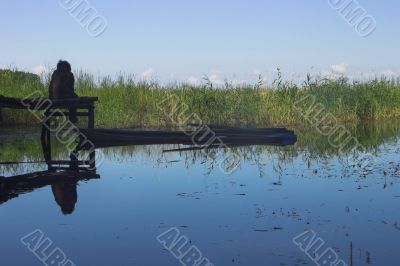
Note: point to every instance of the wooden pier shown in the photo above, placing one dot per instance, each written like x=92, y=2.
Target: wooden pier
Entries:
x=49, y=106
x=54, y=108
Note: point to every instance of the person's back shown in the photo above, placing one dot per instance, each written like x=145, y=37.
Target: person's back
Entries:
x=62, y=82
x=62, y=86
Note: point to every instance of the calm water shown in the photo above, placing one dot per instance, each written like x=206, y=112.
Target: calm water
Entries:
x=247, y=218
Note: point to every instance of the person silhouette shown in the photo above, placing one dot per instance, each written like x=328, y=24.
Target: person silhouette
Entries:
x=66, y=195
x=62, y=86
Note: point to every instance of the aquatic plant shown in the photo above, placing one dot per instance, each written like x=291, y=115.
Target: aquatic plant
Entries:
x=127, y=102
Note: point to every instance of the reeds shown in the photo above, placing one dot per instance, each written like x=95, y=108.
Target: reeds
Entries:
x=125, y=102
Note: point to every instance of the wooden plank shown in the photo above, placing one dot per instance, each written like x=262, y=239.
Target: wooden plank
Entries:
x=46, y=176
x=44, y=103
x=58, y=114
x=61, y=162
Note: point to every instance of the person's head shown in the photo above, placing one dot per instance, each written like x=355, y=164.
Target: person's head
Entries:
x=63, y=66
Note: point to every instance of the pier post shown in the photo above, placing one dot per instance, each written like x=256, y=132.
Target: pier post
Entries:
x=91, y=117
x=45, y=139
x=92, y=155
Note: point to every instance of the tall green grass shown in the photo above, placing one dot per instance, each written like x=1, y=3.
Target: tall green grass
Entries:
x=125, y=102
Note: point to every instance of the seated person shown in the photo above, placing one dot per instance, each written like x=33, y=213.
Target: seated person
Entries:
x=62, y=86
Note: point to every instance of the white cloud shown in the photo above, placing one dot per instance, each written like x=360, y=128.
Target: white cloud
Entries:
x=214, y=78
x=328, y=75
x=148, y=73
x=39, y=70
x=366, y=75
x=372, y=74
x=275, y=70
x=294, y=75
x=192, y=80
x=256, y=72
x=340, y=68
x=238, y=82
x=388, y=73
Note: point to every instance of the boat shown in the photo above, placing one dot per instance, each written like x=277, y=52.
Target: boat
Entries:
x=195, y=136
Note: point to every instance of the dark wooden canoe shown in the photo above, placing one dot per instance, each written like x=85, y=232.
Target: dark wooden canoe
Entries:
x=205, y=137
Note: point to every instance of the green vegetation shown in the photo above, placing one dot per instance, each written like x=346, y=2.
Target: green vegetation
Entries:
x=124, y=102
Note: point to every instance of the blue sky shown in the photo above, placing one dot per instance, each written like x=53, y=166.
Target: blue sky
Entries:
x=182, y=40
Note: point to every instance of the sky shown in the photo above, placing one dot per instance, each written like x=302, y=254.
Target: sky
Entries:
x=185, y=40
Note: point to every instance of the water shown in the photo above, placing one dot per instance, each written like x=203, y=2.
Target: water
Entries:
x=247, y=218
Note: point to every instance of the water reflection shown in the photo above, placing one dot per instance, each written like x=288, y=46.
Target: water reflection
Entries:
x=65, y=195
x=63, y=184
x=237, y=219
x=311, y=148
